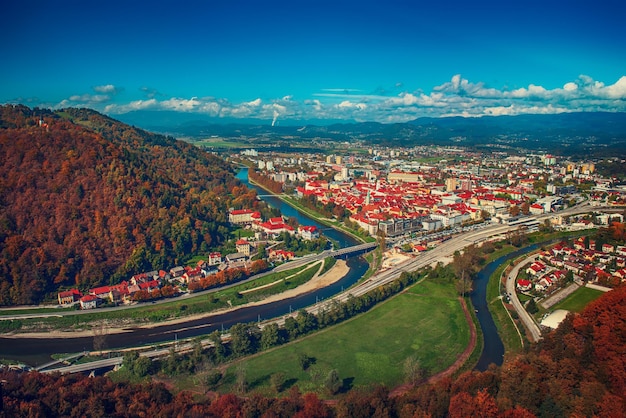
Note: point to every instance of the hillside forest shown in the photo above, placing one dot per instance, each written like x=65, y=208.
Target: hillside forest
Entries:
x=86, y=200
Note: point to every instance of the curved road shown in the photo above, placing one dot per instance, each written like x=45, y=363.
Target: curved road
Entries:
x=527, y=320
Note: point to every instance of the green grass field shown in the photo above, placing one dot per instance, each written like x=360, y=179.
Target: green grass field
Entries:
x=577, y=301
x=426, y=321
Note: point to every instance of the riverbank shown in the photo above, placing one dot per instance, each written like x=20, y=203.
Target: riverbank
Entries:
x=333, y=275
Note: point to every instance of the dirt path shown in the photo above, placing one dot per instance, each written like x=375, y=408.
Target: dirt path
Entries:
x=403, y=389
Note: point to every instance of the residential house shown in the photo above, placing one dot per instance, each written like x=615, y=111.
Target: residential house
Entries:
x=535, y=268
x=235, y=257
x=608, y=248
x=280, y=255
x=191, y=275
x=177, y=272
x=243, y=247
x=524, y=285
x=544, y=283
x=69, y=297
x=89, y=302
x=215, y=259
x=308, y=232
x=150, y=285
x=101, y=292
x=243, y=216
x=274, y=226
x=536, y=209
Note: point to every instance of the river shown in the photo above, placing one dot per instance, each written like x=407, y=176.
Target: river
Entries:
x=493, y=350
x=36, y=351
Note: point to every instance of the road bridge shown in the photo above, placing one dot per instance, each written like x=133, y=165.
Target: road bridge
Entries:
x=354, y=249
x=62, y=360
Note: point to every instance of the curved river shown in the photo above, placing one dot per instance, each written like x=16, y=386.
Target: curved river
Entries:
x=36, y=351
x=493, y=350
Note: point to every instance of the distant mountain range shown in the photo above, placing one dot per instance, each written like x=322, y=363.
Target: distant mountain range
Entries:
x=585, y=134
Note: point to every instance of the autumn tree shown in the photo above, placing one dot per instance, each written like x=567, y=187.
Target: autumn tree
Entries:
x=332, y=382
x=413, y=371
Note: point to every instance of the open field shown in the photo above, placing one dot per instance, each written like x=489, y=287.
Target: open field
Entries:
x=216, y=142
x=426, y=321
x=577, y=301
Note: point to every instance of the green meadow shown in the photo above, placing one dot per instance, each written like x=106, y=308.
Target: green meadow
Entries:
x=425, y=322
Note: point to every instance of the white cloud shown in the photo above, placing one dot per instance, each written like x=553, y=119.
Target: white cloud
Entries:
x=106, y=89
x=458, y=96
x=570, y=86
x=346, y=104
x=615, y=91
x=345, y=90
x=90, y=98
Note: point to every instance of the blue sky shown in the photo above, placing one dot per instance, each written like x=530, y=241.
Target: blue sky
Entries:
x=385, y=61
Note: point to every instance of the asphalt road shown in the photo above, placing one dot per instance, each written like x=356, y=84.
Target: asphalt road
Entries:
x=524, y=316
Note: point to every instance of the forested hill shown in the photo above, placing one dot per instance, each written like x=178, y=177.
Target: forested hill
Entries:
x=85, y=200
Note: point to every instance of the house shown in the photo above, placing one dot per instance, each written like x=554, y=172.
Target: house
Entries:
x=132, y=289
x=235, y=257
x=118, y=292
x=579, y=244
x=177, y=272
x=608, y=248
x=69, y=297
x=274, y=226
x=209, y=270
x=150, y=285
x=536, y=209
x=215, y=259
x=543, y=283
x=191, y=275
x=243, y=216
x=280, y=255
x=573, y=267
x=535, y=268
x=308, y=232
x=524, y=285
x=101, y=292
x=89, y=302
x=243, y=247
